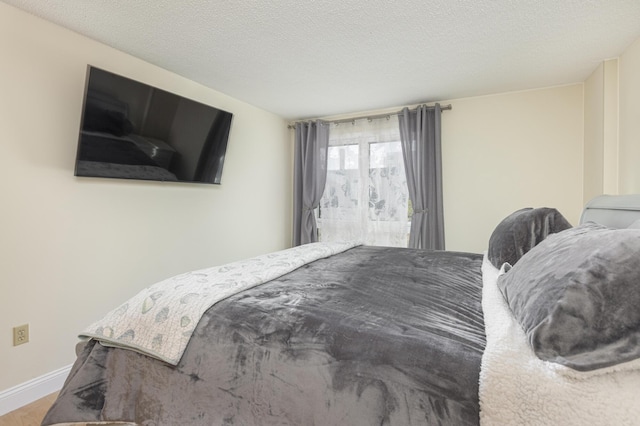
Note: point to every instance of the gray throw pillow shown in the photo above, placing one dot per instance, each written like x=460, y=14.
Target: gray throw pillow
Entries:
x=577, y=296
x=521, y=231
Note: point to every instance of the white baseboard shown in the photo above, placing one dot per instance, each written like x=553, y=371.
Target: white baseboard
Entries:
x=27, y=392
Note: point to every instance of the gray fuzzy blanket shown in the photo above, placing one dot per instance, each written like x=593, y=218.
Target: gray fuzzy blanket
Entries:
x=371, y=336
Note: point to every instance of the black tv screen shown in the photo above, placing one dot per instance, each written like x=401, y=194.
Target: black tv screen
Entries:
x=130, y=130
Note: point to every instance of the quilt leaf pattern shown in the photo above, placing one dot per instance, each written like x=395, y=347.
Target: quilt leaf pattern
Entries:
x=160, y=319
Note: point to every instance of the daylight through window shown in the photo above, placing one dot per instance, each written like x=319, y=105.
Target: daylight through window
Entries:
x=365, y=196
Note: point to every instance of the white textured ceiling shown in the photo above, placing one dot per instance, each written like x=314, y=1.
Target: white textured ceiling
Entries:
x=303, y=58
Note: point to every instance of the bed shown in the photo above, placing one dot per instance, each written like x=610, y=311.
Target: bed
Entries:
x=344, y=334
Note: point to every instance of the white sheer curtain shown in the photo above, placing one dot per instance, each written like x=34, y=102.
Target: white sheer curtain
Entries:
x=366, y=195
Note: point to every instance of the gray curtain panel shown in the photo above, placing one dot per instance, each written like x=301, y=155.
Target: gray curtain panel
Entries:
x=421, y=149
x=310, y=175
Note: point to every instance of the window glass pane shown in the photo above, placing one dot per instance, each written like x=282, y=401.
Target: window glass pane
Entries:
x=365, y=196
x=342, y=188
x=339, y=205
x=387, y=183
x=343, y=157
x=383, y=153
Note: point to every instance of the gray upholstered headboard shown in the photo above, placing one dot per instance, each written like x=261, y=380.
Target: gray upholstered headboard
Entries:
x=616, y=211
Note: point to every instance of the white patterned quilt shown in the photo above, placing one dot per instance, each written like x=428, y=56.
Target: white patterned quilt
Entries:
x=160, y=320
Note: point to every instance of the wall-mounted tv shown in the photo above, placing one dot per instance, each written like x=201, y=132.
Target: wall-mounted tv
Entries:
x=130, y=130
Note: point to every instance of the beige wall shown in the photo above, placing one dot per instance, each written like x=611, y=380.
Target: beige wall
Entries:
x=610, y=129
x=629, y=129
x=504, y=152
x=508, y=151
x=73, y=248
x=594, y=133
x=612, y=126
x=601, y=131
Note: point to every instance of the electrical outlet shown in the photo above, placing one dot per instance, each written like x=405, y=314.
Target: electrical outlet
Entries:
x=20, y=334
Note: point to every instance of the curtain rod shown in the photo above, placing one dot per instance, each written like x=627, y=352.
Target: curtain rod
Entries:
x=371, y=117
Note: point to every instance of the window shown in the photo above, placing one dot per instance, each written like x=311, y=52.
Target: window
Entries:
x=365, y=196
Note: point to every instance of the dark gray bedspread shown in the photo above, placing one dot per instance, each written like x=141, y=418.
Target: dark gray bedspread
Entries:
x=372, y=336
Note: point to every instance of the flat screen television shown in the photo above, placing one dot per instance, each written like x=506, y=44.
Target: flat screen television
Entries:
x=130, y=130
